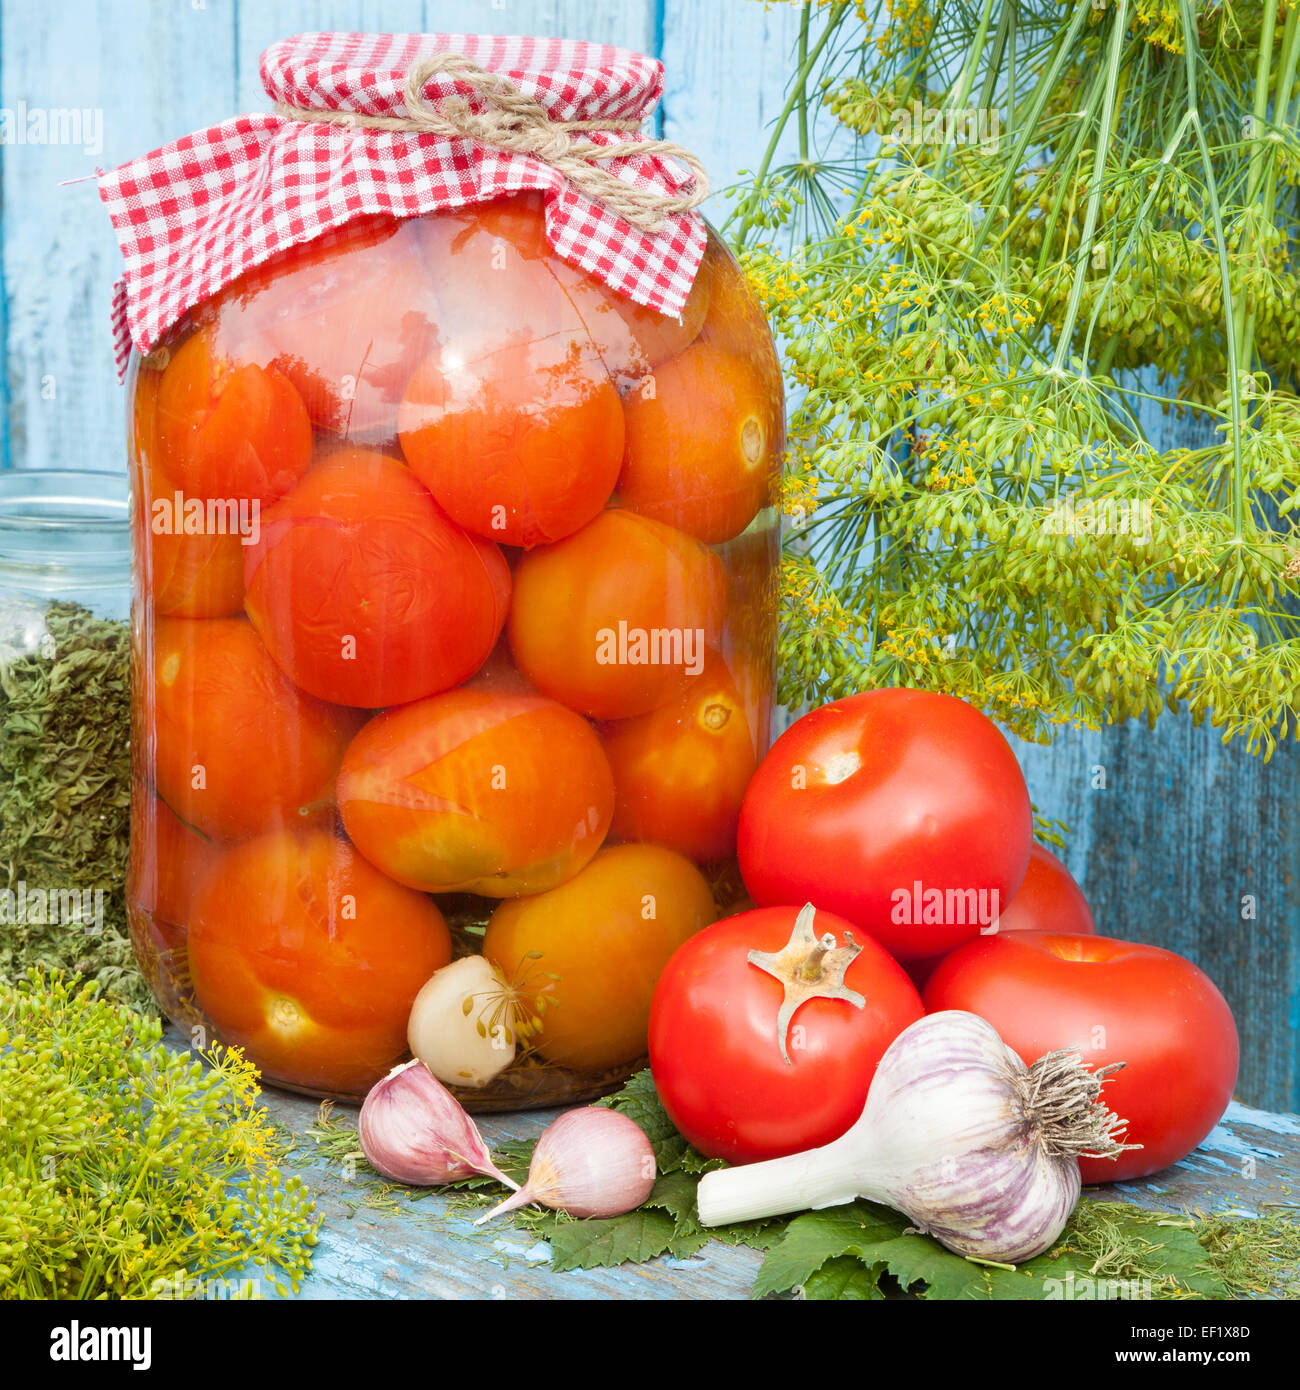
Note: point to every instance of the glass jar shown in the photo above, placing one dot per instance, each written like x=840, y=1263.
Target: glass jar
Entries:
x=64, y=726
x=456, y=587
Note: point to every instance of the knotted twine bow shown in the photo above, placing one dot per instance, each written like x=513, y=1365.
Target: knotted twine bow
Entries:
x=516, y=123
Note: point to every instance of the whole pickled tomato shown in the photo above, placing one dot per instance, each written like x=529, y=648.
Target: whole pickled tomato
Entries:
x=364, y=591
x=346, y=318
x=477, y=790
x=236, y=747
x=519, y=382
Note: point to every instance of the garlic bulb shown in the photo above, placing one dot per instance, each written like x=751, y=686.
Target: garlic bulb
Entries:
x=413, y=1130
x=591, y=1162
x=958, y=1134
x=456, y=1028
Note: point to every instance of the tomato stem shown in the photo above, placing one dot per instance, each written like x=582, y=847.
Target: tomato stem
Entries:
x=813, y=968
x=808, y=968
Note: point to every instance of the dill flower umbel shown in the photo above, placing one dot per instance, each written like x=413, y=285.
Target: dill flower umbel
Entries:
x=128, y=1170
x=980, y=335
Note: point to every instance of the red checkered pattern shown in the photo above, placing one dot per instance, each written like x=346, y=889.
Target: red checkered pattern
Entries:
x=194, y=215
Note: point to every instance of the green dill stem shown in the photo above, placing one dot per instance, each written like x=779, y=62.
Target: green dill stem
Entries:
x=803, y=86
x=1104, y=137
x=1258, y=154
x=798, y=93
x=1286, y=78
x=1166, y=157
x=957, y=99
x=1191, y=49
x=1005, y=34
x=1290, y=58
x=1063, y=166
x=1043, y=89
x=1009, y=203
x=1108, y=352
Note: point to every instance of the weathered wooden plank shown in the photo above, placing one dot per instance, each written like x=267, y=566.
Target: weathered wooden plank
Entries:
x=433, y=1252
x=727, y=63
x=1182, y=840
x=1185, y=843
x=627, y=23
x=145, y=77
x=1250, y=1162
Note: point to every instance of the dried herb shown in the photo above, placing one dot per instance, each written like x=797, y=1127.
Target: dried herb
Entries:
x=129, y=1170
x=65, y=793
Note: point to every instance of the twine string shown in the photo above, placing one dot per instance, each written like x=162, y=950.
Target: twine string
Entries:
x=516, y=123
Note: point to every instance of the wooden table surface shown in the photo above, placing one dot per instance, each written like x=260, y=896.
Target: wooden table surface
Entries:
x=1251, y=1160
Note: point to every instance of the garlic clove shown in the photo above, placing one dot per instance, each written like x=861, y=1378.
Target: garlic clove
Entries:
x=589, y=1162
x=461, y=1023
x=413, y=1130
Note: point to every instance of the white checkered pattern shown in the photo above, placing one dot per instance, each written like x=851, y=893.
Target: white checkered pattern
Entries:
x=194, y=215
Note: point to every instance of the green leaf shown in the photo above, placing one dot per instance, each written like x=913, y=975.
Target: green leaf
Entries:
x=639, y=1101
x=865, y=1251
x=817, y=1236
x=695, y=1162
x=675, y=1194
x=921, y=1265
x=634, y=1238
x=1114, y=1240
x=758, y=1235
x=1109, y=1251
x=844, y=1278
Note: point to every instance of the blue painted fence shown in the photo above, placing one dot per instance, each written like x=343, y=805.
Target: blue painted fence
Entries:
x=1174, y=838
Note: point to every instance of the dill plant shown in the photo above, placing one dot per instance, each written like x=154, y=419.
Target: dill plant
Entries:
x=976, y=332
x=128, y=1170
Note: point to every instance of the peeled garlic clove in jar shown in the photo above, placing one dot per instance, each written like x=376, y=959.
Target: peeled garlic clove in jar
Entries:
x=461, y=1024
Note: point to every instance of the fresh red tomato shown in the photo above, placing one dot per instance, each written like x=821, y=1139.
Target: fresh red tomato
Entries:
x=903, y=810
x=1048, y=900
x=1114, y=1001
x=716, y=1044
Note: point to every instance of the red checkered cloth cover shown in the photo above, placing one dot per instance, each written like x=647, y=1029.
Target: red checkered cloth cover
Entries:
x=193, y=216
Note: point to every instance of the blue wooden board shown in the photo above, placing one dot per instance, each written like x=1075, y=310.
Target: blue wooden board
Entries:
x=1183, y=832
x=1250, y=1162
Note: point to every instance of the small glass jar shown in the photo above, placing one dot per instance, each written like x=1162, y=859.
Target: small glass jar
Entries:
x=65, y=586
x=456, y=583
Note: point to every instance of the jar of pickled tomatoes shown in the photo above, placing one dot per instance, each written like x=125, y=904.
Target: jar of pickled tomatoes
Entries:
x=454, y=618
